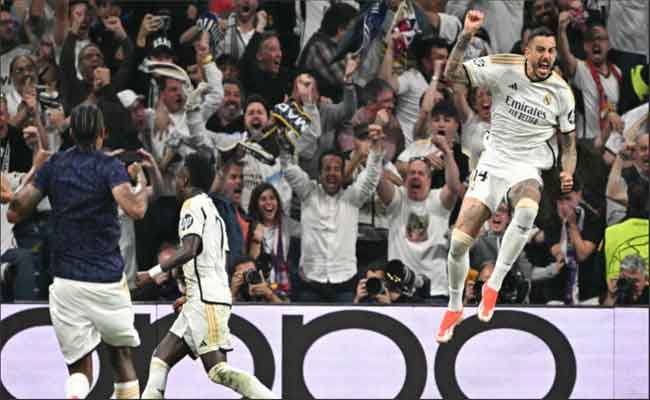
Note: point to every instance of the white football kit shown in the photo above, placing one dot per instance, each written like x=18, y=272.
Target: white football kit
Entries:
x=525, y=116
x=203, y=321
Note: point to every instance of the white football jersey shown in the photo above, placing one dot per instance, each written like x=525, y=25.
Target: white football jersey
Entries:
x=205, y=275
x=525, y=113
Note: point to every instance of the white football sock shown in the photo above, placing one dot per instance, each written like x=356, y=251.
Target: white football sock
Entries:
x=458, y=267
x=514, y=240
x=158, y=371
x=77, y=386
x=241, y=382
x=127, y=390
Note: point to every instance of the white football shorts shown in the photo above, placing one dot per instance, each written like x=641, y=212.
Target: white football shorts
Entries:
x=85, y=313
x=204, y=327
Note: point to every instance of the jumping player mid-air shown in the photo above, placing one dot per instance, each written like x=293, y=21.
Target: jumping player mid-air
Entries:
x=201, y=328
x=530, y=103
x=89, y=298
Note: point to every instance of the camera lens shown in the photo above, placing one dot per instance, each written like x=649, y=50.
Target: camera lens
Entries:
x=374, y=286
x=252, y=277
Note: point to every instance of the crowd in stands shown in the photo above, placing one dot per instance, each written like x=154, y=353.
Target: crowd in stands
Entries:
x=376, y=153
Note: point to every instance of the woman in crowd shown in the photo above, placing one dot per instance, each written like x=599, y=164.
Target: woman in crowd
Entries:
x=273, y=231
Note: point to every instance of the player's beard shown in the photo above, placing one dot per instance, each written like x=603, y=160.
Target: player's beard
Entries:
x=542, y=72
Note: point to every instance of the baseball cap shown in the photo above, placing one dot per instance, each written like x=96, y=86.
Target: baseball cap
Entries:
x=161, y=46
x=128, y=98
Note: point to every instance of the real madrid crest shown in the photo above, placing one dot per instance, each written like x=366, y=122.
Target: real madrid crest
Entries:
x=547, y=99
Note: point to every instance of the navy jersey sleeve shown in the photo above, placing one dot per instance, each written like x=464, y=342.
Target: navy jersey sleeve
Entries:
x=115, y=172
x=43, y=176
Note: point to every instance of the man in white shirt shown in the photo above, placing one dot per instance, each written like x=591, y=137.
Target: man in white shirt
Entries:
x=598, y=79
x=329, y=218
x=418, y=218
x=411, y=85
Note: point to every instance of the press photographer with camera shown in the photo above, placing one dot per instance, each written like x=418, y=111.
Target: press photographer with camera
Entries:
x=483, y=256
x=392, y=283
x=624, y=253
x=250, y=281
x=631, y=285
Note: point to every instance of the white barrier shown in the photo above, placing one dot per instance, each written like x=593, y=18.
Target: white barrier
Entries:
x=370, y=352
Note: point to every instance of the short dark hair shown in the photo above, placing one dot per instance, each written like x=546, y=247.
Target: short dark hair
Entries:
x=236, y=83
x=162, y=82
x=256, y=98
x=326, y=153
x=422, y=47
x=241, y=260
x=539, y=31
x=591, y=24
x=229, y=163
x=201, y=171
x=86, y=123
x=337, y=16
x=445, y=107
x=266, y=35
x=253, y=207
x=373, y=89
x=226, y=59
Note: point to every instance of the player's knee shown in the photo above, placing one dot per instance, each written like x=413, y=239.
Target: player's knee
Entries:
x=525, y=214
x=460, y=243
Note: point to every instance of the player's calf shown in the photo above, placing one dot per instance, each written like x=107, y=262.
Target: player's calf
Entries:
x=514, y=240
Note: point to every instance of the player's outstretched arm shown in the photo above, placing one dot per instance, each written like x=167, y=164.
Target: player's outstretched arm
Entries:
x=569, y=156
x=190, y=248
x=454, y=71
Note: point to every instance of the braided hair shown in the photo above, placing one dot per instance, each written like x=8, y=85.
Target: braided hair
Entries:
x=86, y=124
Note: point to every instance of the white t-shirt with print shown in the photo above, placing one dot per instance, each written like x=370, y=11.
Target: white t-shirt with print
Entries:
x=417, y=236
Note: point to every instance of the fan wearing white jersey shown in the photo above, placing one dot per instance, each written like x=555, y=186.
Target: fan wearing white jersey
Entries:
x=201, y=328
x=530, y=103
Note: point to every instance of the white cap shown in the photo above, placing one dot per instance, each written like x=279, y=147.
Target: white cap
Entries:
x=128, y=98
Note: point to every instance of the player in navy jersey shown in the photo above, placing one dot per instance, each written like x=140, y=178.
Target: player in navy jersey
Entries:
x=89, y=299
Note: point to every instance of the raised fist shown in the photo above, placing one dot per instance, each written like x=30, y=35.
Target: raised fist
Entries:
x=473, y=21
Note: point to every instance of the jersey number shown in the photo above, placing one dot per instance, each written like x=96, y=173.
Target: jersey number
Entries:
x=480, y=176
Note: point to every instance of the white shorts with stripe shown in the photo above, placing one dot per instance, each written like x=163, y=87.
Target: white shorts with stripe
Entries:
x=85, y=313
x=495, y=175
x=203, y=326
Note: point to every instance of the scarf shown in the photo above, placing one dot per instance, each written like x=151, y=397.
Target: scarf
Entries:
x=571, y=288
x=233, y=42
x=604, y=106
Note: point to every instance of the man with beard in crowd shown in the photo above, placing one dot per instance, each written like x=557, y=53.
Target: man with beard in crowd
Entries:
x=229, y=117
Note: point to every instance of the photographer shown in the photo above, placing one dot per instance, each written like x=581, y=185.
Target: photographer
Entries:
x=625, y=253
x=392, y=283
x=483, y=255
x=250, y=281
x=631, y=286
x=372, y=288
x=514, y=289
